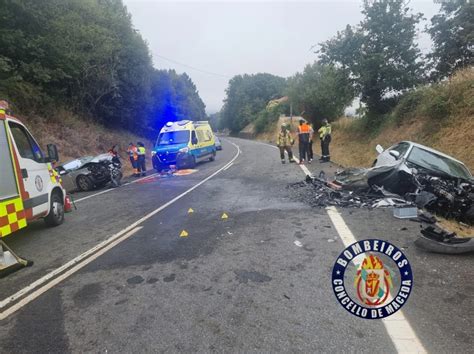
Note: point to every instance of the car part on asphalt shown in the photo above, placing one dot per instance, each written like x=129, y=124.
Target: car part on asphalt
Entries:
x=437, y=240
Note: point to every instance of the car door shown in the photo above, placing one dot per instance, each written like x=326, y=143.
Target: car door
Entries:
x=34, y=172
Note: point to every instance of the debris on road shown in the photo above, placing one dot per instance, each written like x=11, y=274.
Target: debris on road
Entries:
x=391, y=186
x=437, y=240
x=298, y=243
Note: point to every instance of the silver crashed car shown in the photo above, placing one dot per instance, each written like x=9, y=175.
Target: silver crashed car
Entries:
x=418, y=156
x=89, y=172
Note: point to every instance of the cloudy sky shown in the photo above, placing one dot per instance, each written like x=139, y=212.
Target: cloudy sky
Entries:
x=215, y=40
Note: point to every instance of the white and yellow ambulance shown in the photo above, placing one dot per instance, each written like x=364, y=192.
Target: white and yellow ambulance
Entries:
x=29, y=186
x=184, y=144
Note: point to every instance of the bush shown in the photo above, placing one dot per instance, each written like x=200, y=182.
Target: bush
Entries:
x=266, y=119
x=408, y=105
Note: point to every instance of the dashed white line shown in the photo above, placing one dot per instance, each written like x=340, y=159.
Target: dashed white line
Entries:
x=52, y=277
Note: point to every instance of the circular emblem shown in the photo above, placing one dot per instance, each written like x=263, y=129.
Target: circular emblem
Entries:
x=39, y=183
x=378, y=278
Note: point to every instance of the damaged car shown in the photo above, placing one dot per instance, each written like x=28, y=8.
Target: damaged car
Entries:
x=90, y=172
x=427, y=177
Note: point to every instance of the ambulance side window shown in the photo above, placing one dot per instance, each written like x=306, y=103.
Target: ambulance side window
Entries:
x=27, y=147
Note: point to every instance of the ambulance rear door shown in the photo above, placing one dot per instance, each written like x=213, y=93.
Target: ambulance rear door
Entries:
x=12, y=213
x=34, y=169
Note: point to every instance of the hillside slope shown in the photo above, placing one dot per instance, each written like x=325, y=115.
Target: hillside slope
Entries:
x=75, y=137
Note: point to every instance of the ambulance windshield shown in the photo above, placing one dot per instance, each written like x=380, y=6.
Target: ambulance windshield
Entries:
x=170, y=138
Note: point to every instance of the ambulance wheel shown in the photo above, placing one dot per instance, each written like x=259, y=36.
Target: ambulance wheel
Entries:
x=56, y=211
x=213, y=156
x=84, y=183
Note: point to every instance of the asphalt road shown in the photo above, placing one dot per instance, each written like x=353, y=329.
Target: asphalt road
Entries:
x=239, y=284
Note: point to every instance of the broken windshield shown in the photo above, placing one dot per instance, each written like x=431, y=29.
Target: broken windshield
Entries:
x=432, y=161
x=169, y=138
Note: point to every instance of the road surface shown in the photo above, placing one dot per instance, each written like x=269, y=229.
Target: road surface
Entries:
x=238, y=284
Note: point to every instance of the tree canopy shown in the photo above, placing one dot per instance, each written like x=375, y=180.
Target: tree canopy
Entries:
x=86, y=55
x=452, y=32
x=379, y=54
x=247, y=95
x=321, y=91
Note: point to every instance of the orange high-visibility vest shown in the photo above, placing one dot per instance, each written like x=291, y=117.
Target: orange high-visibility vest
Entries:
x=303, y=128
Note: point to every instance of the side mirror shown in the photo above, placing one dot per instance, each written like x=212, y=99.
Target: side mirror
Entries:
x=379, y=148
x=395, y=154
x=53, y=155
x=194, y=141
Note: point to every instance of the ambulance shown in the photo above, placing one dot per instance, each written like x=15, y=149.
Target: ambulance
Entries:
x=183, y=144
x=30, y=188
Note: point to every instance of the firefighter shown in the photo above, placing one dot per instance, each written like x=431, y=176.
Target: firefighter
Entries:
x=141, y=163
x=133, y=154
x=284, y=143
x=303, y=140
x=325, y=137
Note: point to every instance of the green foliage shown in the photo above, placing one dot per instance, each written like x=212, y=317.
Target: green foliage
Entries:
x=321, y=91
x=452, y=32
x=379, y=54
x=86, y=55
x=438, y=102
x=266, y=118
x=247, y=95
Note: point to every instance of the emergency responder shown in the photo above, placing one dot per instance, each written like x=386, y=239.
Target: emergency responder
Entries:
x=310, y=144
x=141, y=163
x=303, y=140
x=284, y=143
x=133, y=154
x=325, y=136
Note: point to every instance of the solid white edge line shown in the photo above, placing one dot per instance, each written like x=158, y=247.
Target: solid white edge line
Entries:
x=397, y=326
x=111, y=239
x=65, y=275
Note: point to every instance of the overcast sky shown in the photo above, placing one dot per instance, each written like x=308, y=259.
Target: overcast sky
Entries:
x=213, y=41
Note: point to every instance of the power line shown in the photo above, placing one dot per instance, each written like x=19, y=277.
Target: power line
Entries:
x=191, y=67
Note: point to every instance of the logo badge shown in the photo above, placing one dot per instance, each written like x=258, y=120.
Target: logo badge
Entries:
x=372, y=279
x=39, y=183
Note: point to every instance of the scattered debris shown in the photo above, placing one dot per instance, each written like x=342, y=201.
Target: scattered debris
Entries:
x=435, y=239
x=298, y=243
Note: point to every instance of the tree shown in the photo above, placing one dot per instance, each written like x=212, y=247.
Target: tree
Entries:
x=321, y=91
x=379, y=54
x=452, y=32
x=247, y=95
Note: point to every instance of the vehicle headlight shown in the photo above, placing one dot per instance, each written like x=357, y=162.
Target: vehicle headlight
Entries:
x=185, y=150
x=153, y=153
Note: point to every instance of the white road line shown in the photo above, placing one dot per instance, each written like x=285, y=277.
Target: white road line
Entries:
x=105, y=243
x=113, y=189
x=225, y=169
x=65, y=275
x=397, y=326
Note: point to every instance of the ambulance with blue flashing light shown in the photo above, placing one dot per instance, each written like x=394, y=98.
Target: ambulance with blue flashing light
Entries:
x=30, y=188
x=183, y=144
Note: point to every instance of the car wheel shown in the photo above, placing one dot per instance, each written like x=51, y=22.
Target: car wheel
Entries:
x=56, y=211
x=183, y=164
x=84, y=183
x=213, y=156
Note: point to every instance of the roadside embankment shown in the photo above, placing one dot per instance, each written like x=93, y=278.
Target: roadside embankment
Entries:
x=76, y=137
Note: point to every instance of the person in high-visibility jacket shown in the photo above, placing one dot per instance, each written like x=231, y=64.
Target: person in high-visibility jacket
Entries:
x=132, y=152
x=325, y=137
x=141, y=163
x=284, y=143
x=303, y=140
